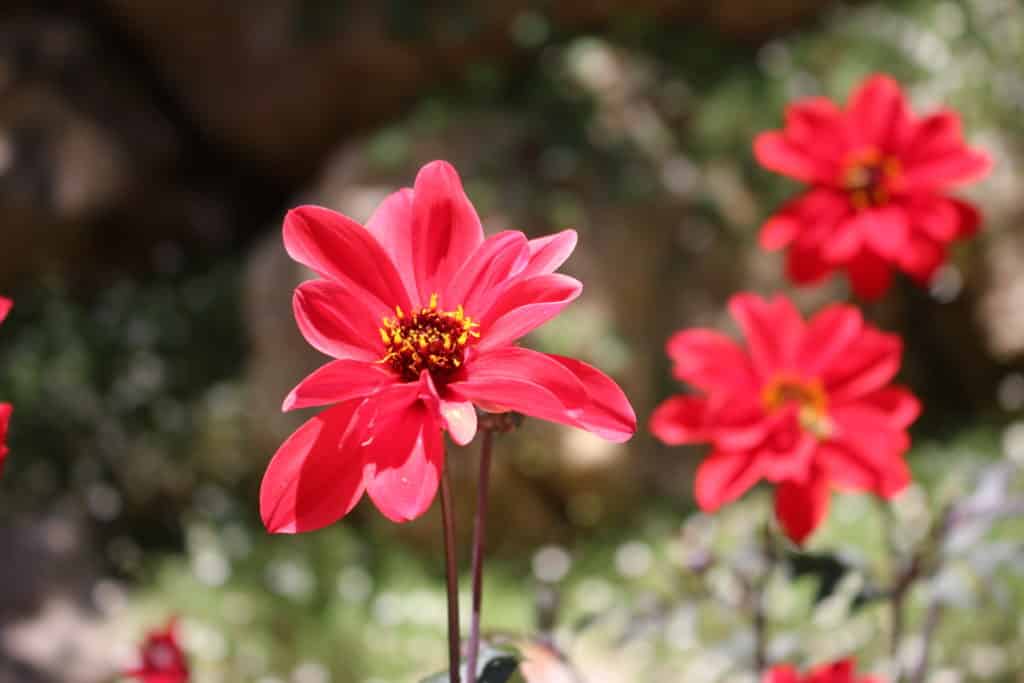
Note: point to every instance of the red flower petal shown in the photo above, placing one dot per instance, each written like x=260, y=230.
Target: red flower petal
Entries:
x=878, y=113
x=937, y=157
x=899, y=406
x=866, y=451
x=526, y=382
x=445, y=228
x=805, y=265
x=391, y=225
x=460, y=420
x=316, y=476
x=922, y=257
x=787, y=451
x=801, y=507
x=405, y=456
x=773, y=329
x=817, y=125
x=487, y=272
x=5, y=307
x=870, y=275
x=779, y=231
x=338, y=381
x=708, y=360
x=524, y=306
x=607, y=412
x=884, y=229
x=782, y=673
x=723, y=477
x=872, y=362
x=547, y=254
x=828, y=335
x=337, y=322
x=340, y=249
x=776, y=152
x=680, y=420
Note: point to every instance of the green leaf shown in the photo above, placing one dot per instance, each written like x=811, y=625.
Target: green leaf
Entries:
x=493, y=666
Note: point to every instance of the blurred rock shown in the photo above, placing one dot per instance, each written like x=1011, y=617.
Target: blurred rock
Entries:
x=280, y=82
x=78, y=137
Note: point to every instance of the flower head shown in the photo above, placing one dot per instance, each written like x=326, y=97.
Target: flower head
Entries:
x=421, y=314
x=806, y=406
x=843, y=671
x=878, y=178
x=162, y=659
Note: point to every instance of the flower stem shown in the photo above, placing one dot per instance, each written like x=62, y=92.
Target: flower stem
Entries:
x=760, y=617
x=479, y=547
x=452, y=572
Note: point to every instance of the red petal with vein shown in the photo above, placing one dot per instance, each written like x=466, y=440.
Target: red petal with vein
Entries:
x=708, y=359
x=340, y=249
x=316, y=476
x=885, y=230
x=526, y=382
x=679, y=420
x=868, y=451
x=723, y=477
x=607, y=412
x=405, y=457
x=776, y=152
x=772, y=327
x=445, y=228
x=872, y=362
x=828, y=336
x=800, y=508
x=337, y=322
x=525, y=306
x=487, y=272
x=879, y=114
x=338, y=381
x=547, y=254
x=391, y=225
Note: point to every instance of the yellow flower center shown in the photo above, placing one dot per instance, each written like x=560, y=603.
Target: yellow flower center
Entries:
x=869, y=177
x=809, y=397
x=428, y=339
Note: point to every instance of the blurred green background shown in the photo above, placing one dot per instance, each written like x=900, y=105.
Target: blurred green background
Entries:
x=148, y=151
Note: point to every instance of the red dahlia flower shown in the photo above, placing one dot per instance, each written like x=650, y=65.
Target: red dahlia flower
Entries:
x=807, y=405
x=5, y=408
x=163, y=660
x=843, y=671
x=878, y=178
x=421, y=314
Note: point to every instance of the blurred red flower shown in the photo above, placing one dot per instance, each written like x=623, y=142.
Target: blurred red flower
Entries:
x=162, y=659
x=5, y=408
x=422, y=315
x=806, y=406
x=843, y=671
x=878, y=176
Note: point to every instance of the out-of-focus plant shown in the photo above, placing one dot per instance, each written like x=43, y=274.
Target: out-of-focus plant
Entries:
x=877, y=176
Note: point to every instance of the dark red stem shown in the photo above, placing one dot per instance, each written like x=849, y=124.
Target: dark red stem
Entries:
x=479, y=547
x=452, y=572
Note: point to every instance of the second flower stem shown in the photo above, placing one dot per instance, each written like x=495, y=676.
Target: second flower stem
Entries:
x=452, y=573
x=479, y=547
